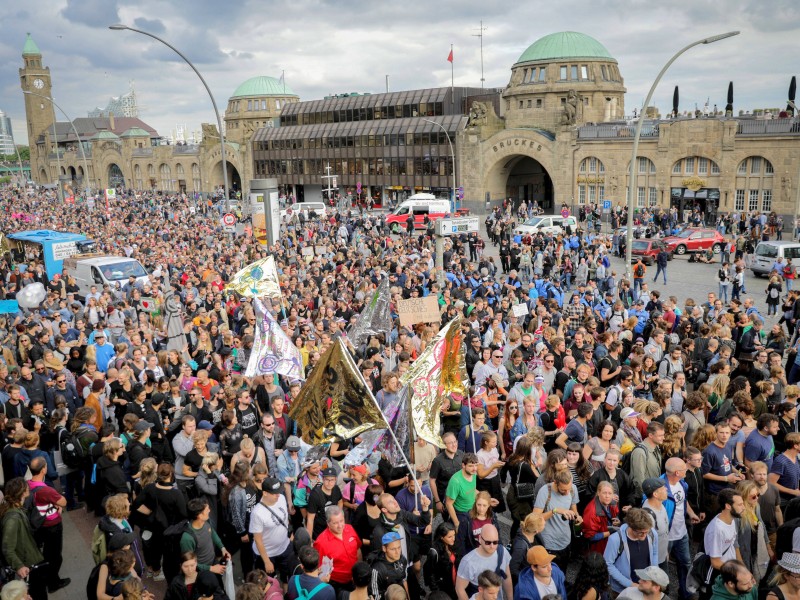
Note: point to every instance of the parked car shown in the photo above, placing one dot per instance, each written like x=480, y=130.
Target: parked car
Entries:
x=694, y=239
x=318, y=208
x=647, y=250
x=547, y=224
x=768, y=253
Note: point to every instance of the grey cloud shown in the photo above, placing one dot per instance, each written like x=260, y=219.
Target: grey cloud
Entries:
x=151, y=25
x=94, y=13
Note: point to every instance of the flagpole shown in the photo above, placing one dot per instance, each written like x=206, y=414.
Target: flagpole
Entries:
x=452, y=75
x=411, y=470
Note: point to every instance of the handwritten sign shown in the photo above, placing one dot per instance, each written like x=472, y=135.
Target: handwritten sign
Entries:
x=418, y=310
x=519, y=310
x=307, y=251
x=321, y=250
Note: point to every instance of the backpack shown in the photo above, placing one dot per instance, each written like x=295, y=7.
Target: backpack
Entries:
x=773, y=293
x=91, y=583
x=472, y=589
x=625, y=463
x=306, y=594
x=72, y=452
x=172, y=547
x=35, y=516
x=638, y=271
x=99, y=545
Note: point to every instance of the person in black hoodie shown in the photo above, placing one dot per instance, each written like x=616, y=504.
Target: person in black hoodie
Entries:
x=108, y=471
x=138, y=449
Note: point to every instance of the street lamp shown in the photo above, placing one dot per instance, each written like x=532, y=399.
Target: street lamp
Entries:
x=632, y=181
x=797, y=184
x=77, y=137
x=121, y=27
x=452, y=155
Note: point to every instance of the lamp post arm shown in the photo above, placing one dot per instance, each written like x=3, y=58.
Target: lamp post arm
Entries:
x=632, y=179
x=210, y=95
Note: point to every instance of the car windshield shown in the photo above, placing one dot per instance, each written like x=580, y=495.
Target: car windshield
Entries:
x=123, y=270
x=533, y=222
x=639, y=245
x=684, y=234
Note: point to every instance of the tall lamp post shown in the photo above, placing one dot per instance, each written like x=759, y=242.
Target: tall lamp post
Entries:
x=632, y=181
x=452, y=154
x=797, y=184
x=121, y=27
x=77, y=137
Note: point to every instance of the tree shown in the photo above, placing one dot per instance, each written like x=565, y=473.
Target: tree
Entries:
x=24, y=154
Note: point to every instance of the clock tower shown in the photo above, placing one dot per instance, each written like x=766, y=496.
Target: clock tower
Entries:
x=38, y=111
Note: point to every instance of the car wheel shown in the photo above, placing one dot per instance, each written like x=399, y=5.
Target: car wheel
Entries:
x=680, y=250
x=716, y=248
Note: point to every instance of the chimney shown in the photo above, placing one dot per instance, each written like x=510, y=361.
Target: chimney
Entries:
x=111, y=122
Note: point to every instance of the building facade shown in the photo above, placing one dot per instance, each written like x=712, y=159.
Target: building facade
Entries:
x=557, y=133
x=6, y=135
x=125, y=151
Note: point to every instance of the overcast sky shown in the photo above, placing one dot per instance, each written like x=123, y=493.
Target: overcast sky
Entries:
x=335, y=46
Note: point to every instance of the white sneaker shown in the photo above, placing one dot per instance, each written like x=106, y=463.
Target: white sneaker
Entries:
x=159, y=576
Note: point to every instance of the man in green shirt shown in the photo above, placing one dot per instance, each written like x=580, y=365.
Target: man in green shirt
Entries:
x=201, y=539
x=461, y=488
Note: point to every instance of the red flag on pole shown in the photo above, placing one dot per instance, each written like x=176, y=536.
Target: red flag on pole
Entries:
x=450, y=56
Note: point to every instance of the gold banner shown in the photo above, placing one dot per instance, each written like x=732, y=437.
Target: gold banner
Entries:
x=438, y=372
x=257, y=279
x=335, y=400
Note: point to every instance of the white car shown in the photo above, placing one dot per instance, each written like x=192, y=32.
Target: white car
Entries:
x=304, y=207
x=547, y=224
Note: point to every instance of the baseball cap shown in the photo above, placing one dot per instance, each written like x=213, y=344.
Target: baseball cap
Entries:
x=650, y=485
x=142, y=426
x=360, y=469
x=205, y=425
x=292, y=444
x=215, y=389
x=271, y=485
x=329, y=472
x=390, y=537
x=119, y=540
x=627, y=412
x=537, y=555
x=654, y=574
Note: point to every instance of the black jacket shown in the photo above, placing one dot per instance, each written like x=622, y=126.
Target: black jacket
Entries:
x=438, y=571
x=404, y=519
x=385, y=574
x=137, y=452
x=110, y=477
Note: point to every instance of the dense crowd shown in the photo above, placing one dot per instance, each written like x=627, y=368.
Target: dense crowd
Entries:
x=613, y=442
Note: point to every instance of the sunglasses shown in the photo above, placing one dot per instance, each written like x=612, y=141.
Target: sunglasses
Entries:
x=491, y=542
x=513, y=408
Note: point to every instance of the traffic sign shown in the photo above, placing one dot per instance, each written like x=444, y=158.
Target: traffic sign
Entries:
x=606, y=205
x=229, y=219
x=457, y=226
x=358, y=187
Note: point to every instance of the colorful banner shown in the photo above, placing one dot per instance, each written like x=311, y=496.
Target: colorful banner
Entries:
x=375, y=319
x=396, y=414
x=273, y=351
x=257, y=279
x=9, y=307
x=438, y=372
x=335, y=402
x=149, y=304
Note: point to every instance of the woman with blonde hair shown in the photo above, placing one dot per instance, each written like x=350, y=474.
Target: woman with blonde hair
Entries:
x=525, y=539
x=719, y=391
x=209, y=481
x=673, y=438
x=752, y=533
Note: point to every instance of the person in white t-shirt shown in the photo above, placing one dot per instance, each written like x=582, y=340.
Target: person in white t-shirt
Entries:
x=269, y=524
x=680, y=511
x=721, y=540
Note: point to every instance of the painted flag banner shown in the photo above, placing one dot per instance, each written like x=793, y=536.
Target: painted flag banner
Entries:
x=273, y=351
x=335, y=403
x=375, y=319
x=438, y=372
x=149, y=304
x=257, y=279
x=396, y=414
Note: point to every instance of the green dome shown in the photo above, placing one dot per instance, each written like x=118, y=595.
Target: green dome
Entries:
x=135, y=132
x=30, y=46
x=104, y=135
x=263, y=86
x=565, y=44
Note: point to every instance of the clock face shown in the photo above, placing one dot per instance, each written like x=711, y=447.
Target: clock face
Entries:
x=38, y=84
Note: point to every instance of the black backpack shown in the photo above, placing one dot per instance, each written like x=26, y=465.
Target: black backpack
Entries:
x=783, y=537
x=638, y=271
x=172, y=547
x=91, y=583
x=625, y=463
x=72, y=452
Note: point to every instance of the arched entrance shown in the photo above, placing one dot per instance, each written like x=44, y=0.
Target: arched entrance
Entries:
x=115, y=176
x=234, y=179
x=521, y=178
x=43, y=176
x=73, y=175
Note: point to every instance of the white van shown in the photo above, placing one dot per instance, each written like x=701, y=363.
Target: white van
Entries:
x=547, y=224
x=89, y=270
x=767, y=253
x=305, y=208
x=421, y=205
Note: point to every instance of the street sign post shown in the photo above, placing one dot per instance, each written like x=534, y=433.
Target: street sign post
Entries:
x=606, y=206
x=457, y=226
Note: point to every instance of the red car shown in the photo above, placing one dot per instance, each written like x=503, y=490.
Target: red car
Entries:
x=647, y=250
x=694, y=239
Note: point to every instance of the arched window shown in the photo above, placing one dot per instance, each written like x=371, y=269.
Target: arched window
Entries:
x=137, y=176
x=754, y=178
x=646, y=189
x=166, y=177
x=591, y=180
x=179, y=169
x=196, y=183
x=695, y=165
x=151, y=171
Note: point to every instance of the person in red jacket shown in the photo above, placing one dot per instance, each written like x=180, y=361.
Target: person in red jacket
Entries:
x=600, y=518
